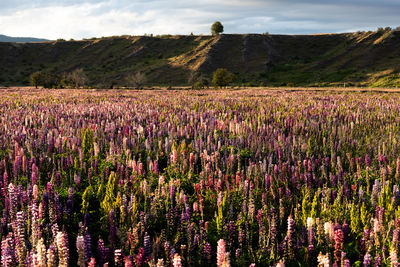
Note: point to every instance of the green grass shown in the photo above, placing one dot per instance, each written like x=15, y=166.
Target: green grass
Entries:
x=392, y=80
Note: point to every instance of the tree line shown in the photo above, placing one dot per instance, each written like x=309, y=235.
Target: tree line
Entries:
x=74, y=79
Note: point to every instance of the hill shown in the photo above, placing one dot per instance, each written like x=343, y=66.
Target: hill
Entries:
x=361, y=58
x=5, y=38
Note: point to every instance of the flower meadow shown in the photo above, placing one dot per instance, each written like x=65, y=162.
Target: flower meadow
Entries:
x=199, y=178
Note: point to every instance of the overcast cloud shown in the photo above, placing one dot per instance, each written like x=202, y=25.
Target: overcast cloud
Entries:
x=78, y=19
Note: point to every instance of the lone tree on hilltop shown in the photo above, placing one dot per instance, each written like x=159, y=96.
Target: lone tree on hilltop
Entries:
x=217, y=28
x=222, y=77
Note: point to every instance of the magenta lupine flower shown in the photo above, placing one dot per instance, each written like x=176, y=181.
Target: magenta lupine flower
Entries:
x=155, y=167
x=92, y=262
x=191, y=161
x=339, y=238
x=128, y=261
x=140, y=259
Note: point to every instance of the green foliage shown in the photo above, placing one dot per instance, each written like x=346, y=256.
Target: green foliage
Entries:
x=315, y=207
x=87, y=143
x=392, y=80
x=110, y=200
x=36, y=79
x=221, y=214
x=85, y=199
x=222, y=77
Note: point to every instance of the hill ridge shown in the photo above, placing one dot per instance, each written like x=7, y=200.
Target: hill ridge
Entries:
x=361, y=58
x=5, y=38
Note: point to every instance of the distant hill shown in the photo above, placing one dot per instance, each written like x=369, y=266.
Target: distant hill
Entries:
x=5, y=38
x=360, y=59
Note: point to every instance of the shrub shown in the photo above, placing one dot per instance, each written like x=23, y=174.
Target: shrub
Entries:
x=222, y=77
x=36, y=79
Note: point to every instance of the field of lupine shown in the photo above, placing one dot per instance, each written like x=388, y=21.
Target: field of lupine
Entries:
x=193, y=178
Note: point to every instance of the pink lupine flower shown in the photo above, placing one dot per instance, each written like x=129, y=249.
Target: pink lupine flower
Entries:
x=62, y=247
x=176, y=262
x=221, y=253
x=323, y=260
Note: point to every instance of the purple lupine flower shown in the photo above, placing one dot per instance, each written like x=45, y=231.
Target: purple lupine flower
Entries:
x=378, y=261
x=172, y=194
x=367, y=160
x=113, y=229
x=8, y=254
x=87, y=246
x=367, y=260
x=147, y=246
x=208, y=251
x=102, y=252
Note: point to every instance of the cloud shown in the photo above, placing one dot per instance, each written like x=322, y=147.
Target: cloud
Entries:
x=84, y=19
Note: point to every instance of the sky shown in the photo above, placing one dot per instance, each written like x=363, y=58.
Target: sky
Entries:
x=77, y=19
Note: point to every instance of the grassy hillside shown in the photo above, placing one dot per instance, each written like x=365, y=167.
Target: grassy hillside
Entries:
x=363, y=59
